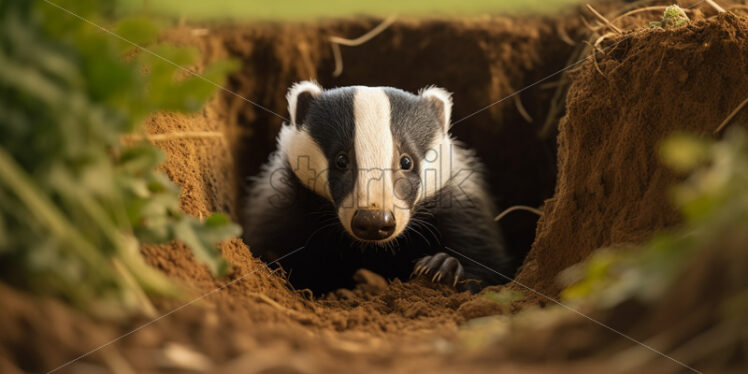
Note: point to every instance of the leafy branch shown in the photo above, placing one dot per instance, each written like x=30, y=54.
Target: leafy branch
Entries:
x=75, y=203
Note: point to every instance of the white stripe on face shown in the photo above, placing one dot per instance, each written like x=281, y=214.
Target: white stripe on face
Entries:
x=374, y=148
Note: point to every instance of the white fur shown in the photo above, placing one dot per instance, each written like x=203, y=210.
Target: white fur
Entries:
x=437, y=166
x=373, y=143
x=448, y=163
x=306, y=158
x=439, y=163
x=437, y=93
x=293, y=95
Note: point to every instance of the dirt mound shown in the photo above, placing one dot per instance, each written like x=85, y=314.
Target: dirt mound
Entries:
x=611, y=186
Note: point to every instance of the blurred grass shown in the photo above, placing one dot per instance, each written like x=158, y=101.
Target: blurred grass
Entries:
x=309, y=10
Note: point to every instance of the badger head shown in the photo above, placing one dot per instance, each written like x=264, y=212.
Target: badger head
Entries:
x=373, y=152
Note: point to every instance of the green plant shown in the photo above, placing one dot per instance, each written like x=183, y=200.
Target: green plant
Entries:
x=505, y=297
x=75, y=202
x=674, y=16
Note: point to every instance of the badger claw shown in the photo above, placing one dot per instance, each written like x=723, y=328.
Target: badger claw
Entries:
x=436, y=277
x=441, y=267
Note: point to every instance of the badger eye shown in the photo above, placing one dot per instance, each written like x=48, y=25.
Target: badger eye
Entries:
x=341, y=161
x=406, y=163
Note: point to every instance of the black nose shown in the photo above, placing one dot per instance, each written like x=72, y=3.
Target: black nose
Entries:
x=373, y=224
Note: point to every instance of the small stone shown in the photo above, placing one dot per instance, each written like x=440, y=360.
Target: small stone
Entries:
x=178, y=356
x=345, y=294
x=366, y=277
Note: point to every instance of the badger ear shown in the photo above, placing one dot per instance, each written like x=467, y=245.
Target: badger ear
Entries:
x=299, y=98
x=441, y=100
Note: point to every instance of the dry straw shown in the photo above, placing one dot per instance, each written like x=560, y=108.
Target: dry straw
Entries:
x=336, y=42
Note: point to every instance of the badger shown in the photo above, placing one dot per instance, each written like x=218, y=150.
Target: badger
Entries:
x=370, y=177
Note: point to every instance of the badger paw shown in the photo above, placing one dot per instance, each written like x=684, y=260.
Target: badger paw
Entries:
x=441, y=267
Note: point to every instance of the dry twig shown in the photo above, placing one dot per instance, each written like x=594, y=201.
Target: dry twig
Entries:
x=731, y=116
x=716, y=6
x=605, y=20
x=640, y=10
x=175, y=135
x=518, y=207
x=336, y=41
x=600, y=40
x=594, y=55
x=589, y=26
x=521, y=109
x=597, y=67
x=564, y=36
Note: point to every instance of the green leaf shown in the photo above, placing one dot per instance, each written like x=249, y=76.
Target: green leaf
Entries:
x=683, y=153
x=202, y=240
x=505, y=296
x=73, y=199
x=140, y=31
x=138, y=160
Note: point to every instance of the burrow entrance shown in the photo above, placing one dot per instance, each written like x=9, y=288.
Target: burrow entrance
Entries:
x=482, y=62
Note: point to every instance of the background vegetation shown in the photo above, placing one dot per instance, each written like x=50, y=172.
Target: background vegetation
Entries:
x=305, y=10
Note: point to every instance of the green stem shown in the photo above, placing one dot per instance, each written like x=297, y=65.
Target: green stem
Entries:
x=20, y=184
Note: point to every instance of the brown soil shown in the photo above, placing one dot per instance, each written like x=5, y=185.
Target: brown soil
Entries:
x=610, y=190
x=611, y=187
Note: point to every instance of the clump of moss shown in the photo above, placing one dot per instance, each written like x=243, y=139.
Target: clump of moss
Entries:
x=674, y=16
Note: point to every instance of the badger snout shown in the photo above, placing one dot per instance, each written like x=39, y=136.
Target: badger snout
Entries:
x=370, y=224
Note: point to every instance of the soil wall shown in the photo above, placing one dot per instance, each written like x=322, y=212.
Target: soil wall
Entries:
x=611, y=187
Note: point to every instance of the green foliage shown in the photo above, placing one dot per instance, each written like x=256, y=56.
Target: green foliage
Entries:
x=713, y=201
x=674, y=16
x=504, y=297
x=75, y=202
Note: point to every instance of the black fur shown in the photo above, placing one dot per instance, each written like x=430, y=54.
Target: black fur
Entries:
x=331, y=124
x=283, y=215
x=443, y=223
x=413, y=119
